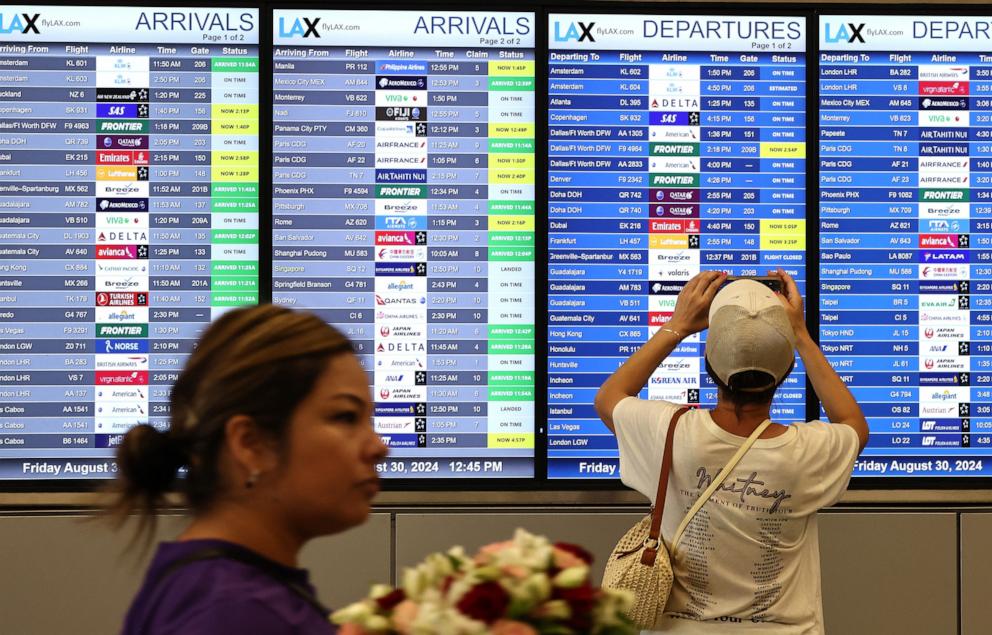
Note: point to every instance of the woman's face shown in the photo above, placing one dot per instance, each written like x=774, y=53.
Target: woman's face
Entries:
x=328, y=474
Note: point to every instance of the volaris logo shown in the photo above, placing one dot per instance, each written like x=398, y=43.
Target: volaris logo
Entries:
x=22, y=23
x=578, y=31
x=297, y=29
x=849, y=33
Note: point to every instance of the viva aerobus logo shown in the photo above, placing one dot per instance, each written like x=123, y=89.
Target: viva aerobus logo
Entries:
x=578, y=31
x=297, y=29
x=849, y=33
x=22, y=23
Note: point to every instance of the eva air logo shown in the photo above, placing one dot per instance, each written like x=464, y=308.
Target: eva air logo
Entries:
x=22, y=23
x=301, y=27
x=849, y=33
x=578, y=31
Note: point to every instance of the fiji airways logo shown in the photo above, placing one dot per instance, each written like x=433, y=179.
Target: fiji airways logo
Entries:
x=849, y=33
x=22, y=23
x=297, y=29
x=578, y=31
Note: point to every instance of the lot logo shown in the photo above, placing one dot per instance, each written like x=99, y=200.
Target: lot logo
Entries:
x=843, y=34
x=297, y=28
x=23, y=23
x=578, y=31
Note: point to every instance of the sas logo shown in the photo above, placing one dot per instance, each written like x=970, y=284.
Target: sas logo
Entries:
x=578, y=31
x=849, y=33
x=22, y=23
x=297, y=29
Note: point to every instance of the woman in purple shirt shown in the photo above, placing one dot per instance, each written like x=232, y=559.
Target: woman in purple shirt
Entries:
x=271, y=419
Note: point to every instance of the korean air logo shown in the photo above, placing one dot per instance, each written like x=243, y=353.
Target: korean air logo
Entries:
x=849, y=33
x=578, y=31
x=22, y=23
x=301, y=27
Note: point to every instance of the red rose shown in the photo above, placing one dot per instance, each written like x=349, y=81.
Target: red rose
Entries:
x=582, y=601
x=575, y=550
x=391, y=599
x=485, y=602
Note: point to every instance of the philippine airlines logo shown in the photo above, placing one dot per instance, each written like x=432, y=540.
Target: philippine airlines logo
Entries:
x=849, y=33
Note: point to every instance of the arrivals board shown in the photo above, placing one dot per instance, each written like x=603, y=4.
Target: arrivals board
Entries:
x=905, y=134
x=403, y=213
x=676, y=144
x=128, y=217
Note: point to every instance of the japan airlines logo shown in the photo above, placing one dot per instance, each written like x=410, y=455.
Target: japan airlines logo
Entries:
x=384, y=331
x=578, y=31
x=297, y=30
x=22, y=23
x=849, y=33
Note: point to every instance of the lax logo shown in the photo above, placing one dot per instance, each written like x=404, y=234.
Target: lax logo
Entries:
x=22, y=23
x=849, y=33
x=297, y=28
x=578, y=31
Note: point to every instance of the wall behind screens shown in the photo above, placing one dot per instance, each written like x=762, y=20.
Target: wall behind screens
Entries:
x=129, y=215
x=905, y=209
x=403, y=212
x=670, y=153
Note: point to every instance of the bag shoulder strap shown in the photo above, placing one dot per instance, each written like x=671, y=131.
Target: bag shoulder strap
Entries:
x=720, y=478
x=651, y=543
x=252, y=560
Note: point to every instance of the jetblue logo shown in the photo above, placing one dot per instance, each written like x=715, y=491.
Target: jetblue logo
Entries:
x=849, y=33
x=298, y=28
x=22, y=23
x=578, y=31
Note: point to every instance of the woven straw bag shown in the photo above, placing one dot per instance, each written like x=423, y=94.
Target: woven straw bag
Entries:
x=639, y=562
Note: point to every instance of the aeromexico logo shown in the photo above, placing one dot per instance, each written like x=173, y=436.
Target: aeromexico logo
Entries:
x=19, y=23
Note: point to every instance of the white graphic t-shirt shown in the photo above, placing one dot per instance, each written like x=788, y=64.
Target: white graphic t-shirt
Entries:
x=750, y=559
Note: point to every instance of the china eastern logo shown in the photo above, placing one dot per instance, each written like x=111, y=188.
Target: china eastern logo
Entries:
x=301, y=27
x=22, y=23
x=849, y=33
x=578, y=31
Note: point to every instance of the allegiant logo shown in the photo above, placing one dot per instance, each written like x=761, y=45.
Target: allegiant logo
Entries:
x=22, y=23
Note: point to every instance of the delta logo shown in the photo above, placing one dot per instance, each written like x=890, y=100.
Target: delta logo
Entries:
x=122, y=237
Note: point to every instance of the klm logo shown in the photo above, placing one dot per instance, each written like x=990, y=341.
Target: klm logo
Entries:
x=298, y=28
x=580, y=32
x=849, y=33
x=23, y=23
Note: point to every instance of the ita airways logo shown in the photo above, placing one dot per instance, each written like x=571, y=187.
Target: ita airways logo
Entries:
x=849, y=33
x=577, y=31
x=19, y=23
x=300, y=27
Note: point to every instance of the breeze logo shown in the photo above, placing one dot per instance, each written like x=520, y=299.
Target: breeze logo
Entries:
x=23, y=23
x=578, y=31
x=297, y=28
x=843, y=34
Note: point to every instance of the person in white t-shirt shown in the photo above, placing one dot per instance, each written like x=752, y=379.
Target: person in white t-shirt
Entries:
x=749, y=560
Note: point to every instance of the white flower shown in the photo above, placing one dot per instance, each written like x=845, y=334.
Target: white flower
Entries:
x=357, y=613
x=571, y=577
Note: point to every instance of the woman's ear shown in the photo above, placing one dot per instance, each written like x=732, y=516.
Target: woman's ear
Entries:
x=253, y=452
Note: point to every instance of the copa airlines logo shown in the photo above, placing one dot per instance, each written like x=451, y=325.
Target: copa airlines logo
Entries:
x=849, y=33
x=22, y=23
x=194, y=21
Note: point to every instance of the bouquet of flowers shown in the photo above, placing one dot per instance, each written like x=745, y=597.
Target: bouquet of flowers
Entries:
x=525, y=586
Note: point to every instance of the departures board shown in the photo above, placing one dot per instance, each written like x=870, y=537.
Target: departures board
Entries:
x=128, y=217
x=905, y=136
x=403, y=213
x=676, y=144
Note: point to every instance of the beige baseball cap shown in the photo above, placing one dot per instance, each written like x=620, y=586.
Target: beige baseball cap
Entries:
x=749, y=330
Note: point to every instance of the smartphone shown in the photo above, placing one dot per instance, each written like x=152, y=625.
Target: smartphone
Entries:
x=772, y=282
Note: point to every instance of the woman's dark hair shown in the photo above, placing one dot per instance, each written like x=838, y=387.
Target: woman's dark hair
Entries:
x=747, y=387
x=259, y=361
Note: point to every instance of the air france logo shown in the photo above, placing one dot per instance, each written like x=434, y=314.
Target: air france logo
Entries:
x=298, y=28
x=578, y=31
x=22, y=23
x=849, y=33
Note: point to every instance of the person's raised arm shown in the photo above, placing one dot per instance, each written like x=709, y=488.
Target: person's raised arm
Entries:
x=691, y=315
x=837, y=400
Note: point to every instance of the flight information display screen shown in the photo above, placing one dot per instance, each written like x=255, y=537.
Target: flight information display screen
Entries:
x=128, y=217
x=403, y=213
x=676, y=145
x=905, y=127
